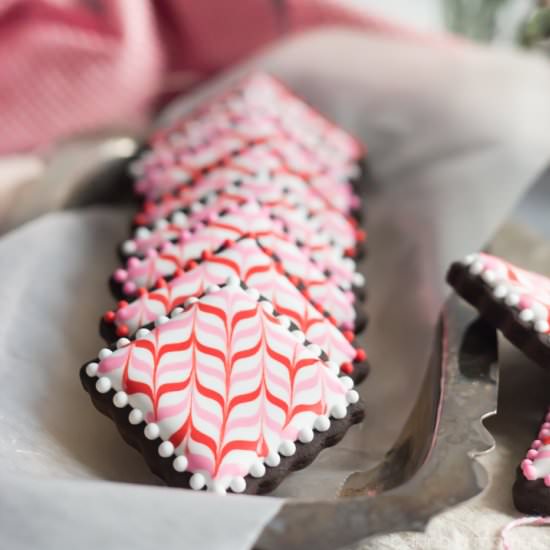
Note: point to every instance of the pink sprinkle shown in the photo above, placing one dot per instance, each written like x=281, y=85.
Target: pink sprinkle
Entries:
x=152, y=253
x=129, y=287
x=528, y=470
x=532, y=454
x=185, y=235
x=536, y=444
x=525, y=302
x=133, y=262
x=166, y=246
x=544, y=433
x=124, y=314
x=120, y=275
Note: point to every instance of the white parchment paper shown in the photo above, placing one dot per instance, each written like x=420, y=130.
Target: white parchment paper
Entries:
x=455, y=137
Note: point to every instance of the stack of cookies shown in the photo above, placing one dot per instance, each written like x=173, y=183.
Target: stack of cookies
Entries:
x=232, y=358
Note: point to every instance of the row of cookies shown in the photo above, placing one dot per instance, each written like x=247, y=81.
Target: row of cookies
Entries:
x=232, y=357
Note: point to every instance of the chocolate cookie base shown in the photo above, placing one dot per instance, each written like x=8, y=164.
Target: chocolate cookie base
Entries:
x=531, y=497
x=162, y=467
x=503, y=317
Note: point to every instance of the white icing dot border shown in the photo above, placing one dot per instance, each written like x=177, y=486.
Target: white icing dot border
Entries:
x=287, y=448
x=503, y=291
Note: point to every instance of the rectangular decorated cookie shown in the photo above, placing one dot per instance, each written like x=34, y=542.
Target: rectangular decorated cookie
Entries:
x=222, y=395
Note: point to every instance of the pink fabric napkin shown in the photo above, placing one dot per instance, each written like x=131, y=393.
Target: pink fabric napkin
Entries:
x=69, y=66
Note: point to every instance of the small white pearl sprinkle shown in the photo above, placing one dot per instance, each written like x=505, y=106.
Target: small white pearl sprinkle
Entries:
x=238, y=484
x=179, y=219
x=177, y=311
x=476, y=267
x=322, y=423
x=218, y=487
x=180, y=464
x=358, y=279
x=166, y=449
x=273, y=459
x=287, y=448
x=103, y=353
x=512, y=299
x=142, y=333
x=253, y=293
x=233, y=281
x=196, y=207
x=190, y=301
x=346, y=382
x=197, y=482
x=352, y=396
x=314, y=349
x=129, y=247
x=306, y=435
x=212, y=288
x=161, y=320
x=267, y=307
x=135, y=416
x=338, y=411
x=284, y=320
x=333, y=366
x=122, y=342
x=103, y=384
x=542, y=326
x=349, y=263
x=540, y=311
x=345, y=285
x=500, y=291
x=526, y=315
x=142, y=233
x=120, y=399
x=489, y=276
x=470, y=259
x=152, y=431
x=91, y=369
x=299, y=335
x=161, y=224
x=257, y=470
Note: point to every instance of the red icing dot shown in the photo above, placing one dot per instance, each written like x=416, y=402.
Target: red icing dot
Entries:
x=546, y=440
x=178, y=271
x=142, y=291
x=122, y=330
x=228, y=243
x=360, y=355
x=109, y=316
x=139, y=219
x=346, y=368
x=206, y=255
x=350, y=251
x=122, y=303
x=306, y=294
x=279, y=267
x=161, y=283
x=268, y=251
x=360, y=235
x=191, y=265
x=349, y=335
x=319, y=308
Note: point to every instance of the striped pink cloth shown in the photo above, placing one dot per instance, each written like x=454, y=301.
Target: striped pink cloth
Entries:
x=69, y=66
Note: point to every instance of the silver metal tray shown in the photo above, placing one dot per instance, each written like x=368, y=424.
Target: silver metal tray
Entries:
x=417, y=479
